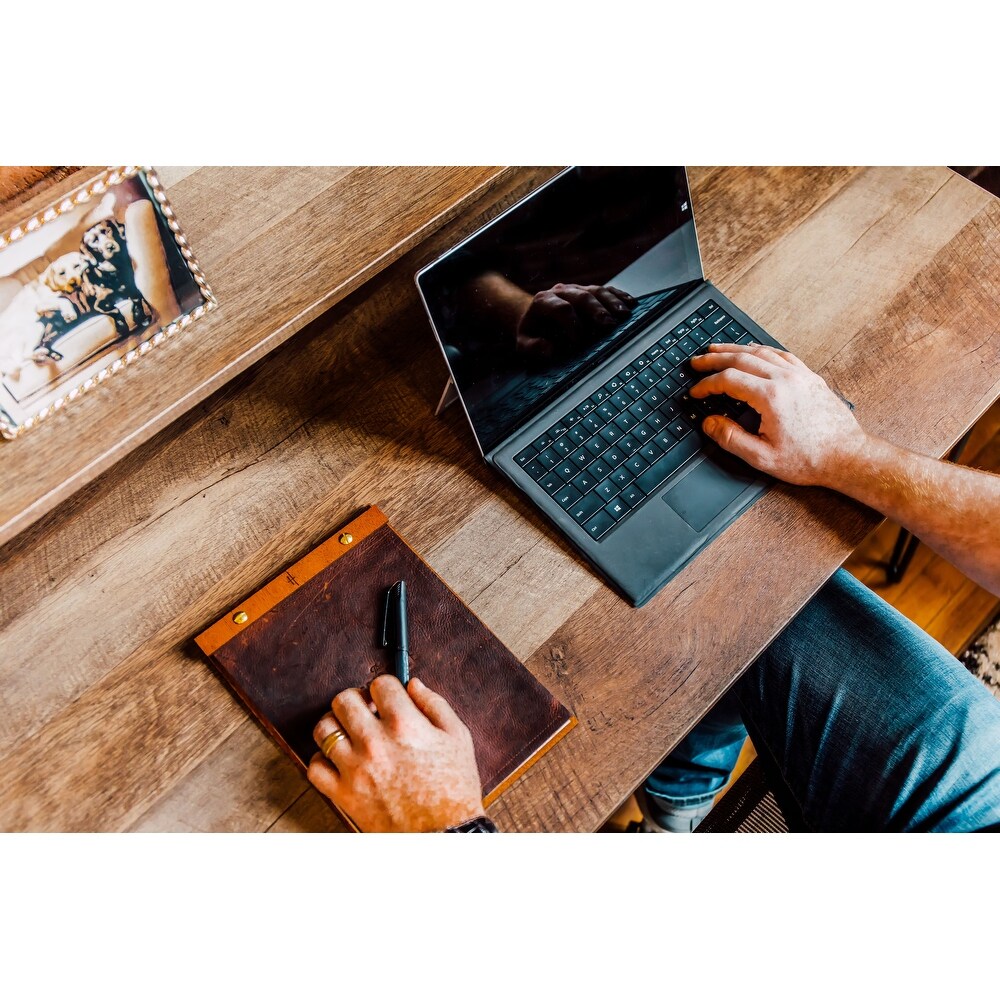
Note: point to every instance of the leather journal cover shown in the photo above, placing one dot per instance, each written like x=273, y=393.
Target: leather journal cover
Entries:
x=315, y=630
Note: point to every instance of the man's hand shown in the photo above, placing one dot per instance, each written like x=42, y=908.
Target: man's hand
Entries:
x=807, y=434
x=410, y=769
x=566, y=314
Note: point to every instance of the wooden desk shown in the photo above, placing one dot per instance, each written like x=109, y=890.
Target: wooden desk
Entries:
x=886, y=280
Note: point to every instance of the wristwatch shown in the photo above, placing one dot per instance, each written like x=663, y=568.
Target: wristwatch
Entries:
x=481, y=824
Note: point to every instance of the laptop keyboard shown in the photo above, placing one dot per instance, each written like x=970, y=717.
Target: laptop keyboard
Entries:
x=601, y=460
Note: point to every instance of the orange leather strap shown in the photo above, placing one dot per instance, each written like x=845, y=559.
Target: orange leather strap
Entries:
x=288, y=582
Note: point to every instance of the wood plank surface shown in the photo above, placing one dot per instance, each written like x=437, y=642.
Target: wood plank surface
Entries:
x=885, y=279
x=279, y=245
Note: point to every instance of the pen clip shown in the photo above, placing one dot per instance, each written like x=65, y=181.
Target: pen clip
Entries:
x=389, y=594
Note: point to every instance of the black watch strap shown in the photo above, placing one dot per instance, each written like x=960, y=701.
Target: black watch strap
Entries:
x=481, y=824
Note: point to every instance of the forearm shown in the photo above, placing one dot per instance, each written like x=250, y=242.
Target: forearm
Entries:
x=953, y=509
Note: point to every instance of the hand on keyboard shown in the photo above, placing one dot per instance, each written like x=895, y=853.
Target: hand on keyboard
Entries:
x=569, y=314
x=607, y=456
x=806, y=431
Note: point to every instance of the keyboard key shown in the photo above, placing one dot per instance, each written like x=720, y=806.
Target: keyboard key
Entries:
x=596, y=445
x=654, y=398
x=676, y=355
x=681, y=376
x=524, y=457
x=642, y=433
x=613, y=457
x=581, y=458
x=635, y=388
x=550, y=482
x=586, y=507
x=639, y=409
x=626, y=421
x=535, y=469
x=627, y=373
x=669, y=411
x=585, y=407
x=616, y=509
x=584, y=482
x=572, y=418
x=542, y=442
x=668, y=341
x=747, y=339
x=689, y=410
x=707, y=308
x=629, y=445
x=599, y=524
x=608, y=489
x=688, y=346
x=715, y=323
x=651, y=451
x=599, y=470
x=611, y=433
x=563, y=446
x=631, y=496
x=693, y=320
x=613, y=385
x=556, y=430
x=663, y=468
x=567, y=496
x=567, y=470
x=669, y=385
x=654, y=352
x=598, y=397
x=678, y=428
x=621, y=477
x=665, y=440
x=661, y=366
x=622, y=400
x=700, y=336
x=649, y=378
x=656, y=421
x=735, y=330
x=679, y=331
x=641, y=362
x=549, y=458
x=608, y=409
x=578, y=434
x=636, y=464
x=593, y=423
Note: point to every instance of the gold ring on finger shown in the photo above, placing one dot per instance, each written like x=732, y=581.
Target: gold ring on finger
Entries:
x=335, y=737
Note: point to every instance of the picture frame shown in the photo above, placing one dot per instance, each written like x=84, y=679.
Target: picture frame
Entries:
x=89, y=285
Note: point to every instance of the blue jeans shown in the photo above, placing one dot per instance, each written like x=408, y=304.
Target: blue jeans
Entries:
x=872, y=725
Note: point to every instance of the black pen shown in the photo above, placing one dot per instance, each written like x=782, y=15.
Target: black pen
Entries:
x=395, y=605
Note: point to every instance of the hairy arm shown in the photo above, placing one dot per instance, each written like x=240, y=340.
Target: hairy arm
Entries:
x=954, y=509
x=807, y=436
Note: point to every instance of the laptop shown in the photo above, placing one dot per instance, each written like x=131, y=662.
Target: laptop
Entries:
x=568, y=324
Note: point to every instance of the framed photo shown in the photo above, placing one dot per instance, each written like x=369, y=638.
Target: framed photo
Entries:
x=88, y=286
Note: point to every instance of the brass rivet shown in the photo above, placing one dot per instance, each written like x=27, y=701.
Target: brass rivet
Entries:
x=240, y=617
x=346, y=538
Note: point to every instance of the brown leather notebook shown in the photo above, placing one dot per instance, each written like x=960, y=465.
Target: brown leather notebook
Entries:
x=315, y=630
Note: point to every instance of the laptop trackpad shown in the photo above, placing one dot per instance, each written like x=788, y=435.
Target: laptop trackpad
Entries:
x=705, y=492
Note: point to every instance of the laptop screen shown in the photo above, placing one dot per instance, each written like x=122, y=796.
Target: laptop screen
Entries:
x=543, y=294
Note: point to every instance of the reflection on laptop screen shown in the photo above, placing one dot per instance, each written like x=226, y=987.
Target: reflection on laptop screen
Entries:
x=547, y=291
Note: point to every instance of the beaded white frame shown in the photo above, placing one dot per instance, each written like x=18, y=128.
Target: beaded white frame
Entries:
x=95, y=188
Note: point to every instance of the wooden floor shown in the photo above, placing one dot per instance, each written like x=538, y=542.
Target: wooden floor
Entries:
x=933, y=594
